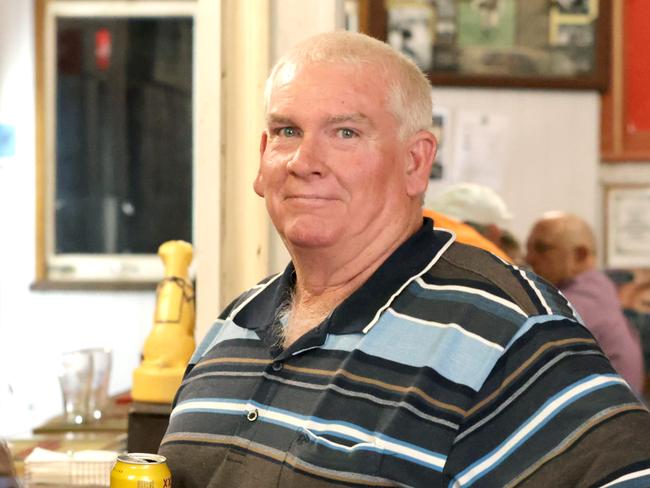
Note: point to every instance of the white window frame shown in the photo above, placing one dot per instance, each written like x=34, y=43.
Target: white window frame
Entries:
x=102, y=267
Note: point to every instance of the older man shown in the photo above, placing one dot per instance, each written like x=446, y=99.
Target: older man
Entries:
x=562, y=249
x=386, y=354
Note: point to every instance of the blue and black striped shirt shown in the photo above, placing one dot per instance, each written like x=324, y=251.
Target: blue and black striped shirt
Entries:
x=448, y=367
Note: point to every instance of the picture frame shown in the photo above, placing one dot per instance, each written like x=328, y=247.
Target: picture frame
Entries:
x=627, y=226
x=549, y=44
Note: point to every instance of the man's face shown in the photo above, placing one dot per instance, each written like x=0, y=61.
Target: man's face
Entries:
x=331, y=160
x=547, y=255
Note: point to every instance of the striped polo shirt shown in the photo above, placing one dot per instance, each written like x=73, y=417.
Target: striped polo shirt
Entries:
x=448, y=367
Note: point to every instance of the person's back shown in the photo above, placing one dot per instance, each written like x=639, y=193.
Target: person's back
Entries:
x=475, y=205
x=465, y=233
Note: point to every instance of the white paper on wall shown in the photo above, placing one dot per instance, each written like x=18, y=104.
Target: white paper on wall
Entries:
x=480, y=148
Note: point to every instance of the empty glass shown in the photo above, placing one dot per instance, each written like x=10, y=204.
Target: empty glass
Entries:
x=101, y=375
x=75, y=378
x=84, y=379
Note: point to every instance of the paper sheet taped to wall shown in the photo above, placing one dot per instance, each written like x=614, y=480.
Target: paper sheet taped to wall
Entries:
x=480, y=148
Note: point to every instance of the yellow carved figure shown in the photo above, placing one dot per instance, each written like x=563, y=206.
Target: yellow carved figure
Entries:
x=170, y=344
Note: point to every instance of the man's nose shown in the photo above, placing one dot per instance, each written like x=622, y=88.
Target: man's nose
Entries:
x=308, y=159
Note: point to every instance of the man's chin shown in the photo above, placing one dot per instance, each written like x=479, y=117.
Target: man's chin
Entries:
x=309, y=241
x=318, y=235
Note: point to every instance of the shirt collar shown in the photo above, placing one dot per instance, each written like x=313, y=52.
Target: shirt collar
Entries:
x=359, y=311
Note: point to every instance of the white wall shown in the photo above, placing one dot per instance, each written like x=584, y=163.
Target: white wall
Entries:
x=552, y=156
x=35, y=327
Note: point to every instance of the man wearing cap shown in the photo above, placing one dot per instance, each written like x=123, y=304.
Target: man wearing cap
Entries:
x=465, y=233
x=476, y=205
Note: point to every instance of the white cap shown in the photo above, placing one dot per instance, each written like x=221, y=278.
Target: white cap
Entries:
x=470, y=202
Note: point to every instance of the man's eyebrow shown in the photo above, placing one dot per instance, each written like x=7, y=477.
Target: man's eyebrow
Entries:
x=352, y=117
x=278, y=119
x=357, y=117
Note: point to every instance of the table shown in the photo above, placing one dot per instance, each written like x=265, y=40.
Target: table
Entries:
x=108, y=433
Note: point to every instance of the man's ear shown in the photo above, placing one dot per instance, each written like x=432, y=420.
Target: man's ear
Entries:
x=258, y=184
x=421, y=149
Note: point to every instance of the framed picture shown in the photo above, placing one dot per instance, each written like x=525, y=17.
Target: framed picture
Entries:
x=562, y=44
x=440, y=127
x=627, y=226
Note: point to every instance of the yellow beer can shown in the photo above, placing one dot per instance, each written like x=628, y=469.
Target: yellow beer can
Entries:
x=140, y=470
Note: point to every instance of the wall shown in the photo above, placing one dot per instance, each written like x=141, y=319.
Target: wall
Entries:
x=551, y=160
x=35, y=327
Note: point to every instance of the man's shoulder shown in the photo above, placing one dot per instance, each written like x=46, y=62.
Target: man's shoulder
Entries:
x=486, y=274
x=592, y=288
x=592, y=280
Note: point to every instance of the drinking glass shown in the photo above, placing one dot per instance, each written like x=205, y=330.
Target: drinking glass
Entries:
x=75, y=379
x=101, y=375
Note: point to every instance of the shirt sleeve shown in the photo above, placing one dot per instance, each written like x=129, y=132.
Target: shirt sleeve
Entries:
x=552, y=412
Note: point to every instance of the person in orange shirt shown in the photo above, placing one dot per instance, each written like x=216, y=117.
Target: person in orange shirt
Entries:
x=465, y=233
x=480, y=208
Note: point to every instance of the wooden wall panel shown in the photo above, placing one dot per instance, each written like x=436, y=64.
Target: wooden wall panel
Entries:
x=625, y=118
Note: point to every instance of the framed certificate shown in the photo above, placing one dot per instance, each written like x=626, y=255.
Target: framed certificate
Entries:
x=627, y=226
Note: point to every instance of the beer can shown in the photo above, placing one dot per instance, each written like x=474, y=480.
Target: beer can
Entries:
x=140, y=470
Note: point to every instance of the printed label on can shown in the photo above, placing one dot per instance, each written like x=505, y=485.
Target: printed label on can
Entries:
x=140, y=470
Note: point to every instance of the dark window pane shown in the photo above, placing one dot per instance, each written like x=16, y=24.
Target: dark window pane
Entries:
x=124, y=134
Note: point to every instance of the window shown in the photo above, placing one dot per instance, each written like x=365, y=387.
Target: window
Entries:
x=118, y=154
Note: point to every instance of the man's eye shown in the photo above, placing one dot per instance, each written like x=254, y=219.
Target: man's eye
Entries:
x=542, y=247
x=346, y=133
x=287, y=132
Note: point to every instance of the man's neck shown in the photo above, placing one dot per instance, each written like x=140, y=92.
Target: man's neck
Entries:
x=326, y=277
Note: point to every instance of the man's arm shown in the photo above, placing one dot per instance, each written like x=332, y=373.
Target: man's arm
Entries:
x=551, y=413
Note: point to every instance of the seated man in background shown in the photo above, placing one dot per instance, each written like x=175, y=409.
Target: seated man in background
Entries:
x=476, y=206
x=511, y=246
x=386, y=354
x=562, y=249
x=465, y=233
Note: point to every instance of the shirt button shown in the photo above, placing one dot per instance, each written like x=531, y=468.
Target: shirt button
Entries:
x=251, y=416
x=277, y=366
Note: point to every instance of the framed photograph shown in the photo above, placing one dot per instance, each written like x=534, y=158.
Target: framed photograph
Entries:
x=440, y=128
x=562, y=44
x=627, y=226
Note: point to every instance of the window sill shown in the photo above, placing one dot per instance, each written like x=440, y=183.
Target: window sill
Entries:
x=50, y=285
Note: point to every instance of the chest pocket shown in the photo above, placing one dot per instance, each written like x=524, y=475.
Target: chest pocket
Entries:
x=335, y=455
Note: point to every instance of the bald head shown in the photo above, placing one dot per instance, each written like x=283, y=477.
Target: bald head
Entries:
x=568, y=230
x=561, y=246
